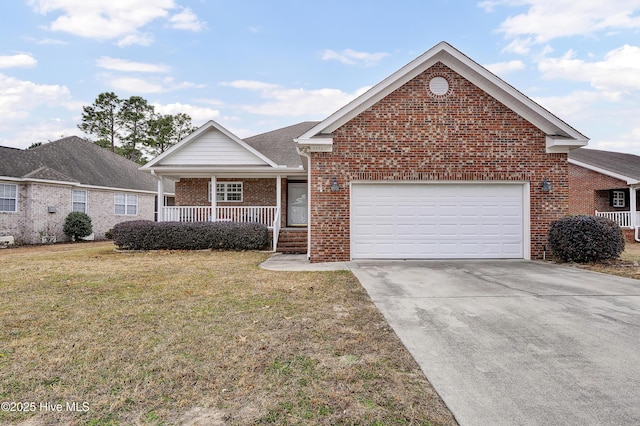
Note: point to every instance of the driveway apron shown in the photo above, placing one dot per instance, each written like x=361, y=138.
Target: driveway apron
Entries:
x=517, y=342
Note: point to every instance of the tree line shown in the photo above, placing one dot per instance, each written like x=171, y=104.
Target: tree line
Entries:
x=131, y=127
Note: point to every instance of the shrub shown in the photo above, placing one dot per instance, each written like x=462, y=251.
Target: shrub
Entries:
x=108, y=234
x=77, y=225
x=585, y=239
x=148, y=235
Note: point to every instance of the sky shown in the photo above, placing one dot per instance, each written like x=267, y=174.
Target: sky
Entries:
x=255, y=66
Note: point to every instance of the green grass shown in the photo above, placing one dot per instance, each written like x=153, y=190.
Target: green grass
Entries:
x=166, y=338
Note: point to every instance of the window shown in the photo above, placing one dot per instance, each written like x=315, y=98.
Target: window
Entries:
x=79, y=200
x=8, y=197
x=126, y=204
x=618, y=199
x=227, y=191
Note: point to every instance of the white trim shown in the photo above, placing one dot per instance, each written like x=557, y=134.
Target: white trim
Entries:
x=526, y=203
x=201, y=130
x=86, y=200
x=627, y=179
x=214, y=184
x=78, y=185
x=562, y=134
x=126, y=204
x=16, y=199
x=618, y=195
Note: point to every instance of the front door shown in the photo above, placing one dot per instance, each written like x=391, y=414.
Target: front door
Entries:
x=297, y=204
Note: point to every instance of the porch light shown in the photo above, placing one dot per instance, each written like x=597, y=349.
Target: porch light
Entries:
x=334, y=185
x=546, y=185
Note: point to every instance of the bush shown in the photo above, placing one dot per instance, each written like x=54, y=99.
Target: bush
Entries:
x=148, y=235
x=585, y=239
x=77, y=225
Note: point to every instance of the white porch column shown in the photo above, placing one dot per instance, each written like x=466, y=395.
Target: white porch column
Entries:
x=214, y=199
x=160, y=199
x=632, y=207
x=279, y=198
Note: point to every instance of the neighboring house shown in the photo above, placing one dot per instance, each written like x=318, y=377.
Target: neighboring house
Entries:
x=605, y=183
x=40, y=186
x=442, y=159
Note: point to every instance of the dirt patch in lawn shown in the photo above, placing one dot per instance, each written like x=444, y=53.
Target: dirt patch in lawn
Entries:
x=627, y=266
x=92, y=336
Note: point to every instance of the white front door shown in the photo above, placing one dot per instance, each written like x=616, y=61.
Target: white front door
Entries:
x=297, y=204
x=435, y=221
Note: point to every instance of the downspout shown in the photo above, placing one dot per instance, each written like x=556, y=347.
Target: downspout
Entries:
x=308, y=156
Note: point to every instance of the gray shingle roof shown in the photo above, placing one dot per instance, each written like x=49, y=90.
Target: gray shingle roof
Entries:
x=73, y=159
x=616, y=162
x=278, y=145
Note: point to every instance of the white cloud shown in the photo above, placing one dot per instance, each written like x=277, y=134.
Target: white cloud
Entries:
x=145, y=85
x=281, y=101
x=20, y=60
x=120, y=20
x=199, y=115
x=117, y=64
x=19, y=97
x=251, y=85
x=41, y=131
x=351, y=57
x=136, y=85
x=521, y=46
x=502, y=68
x=617, y=74
x=186, y=20
x=142, y=39
x=626, y=142
x=549, y=19
x=573, y=107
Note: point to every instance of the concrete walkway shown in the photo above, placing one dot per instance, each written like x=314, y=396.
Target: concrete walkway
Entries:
x=299, y=262
x=511, y=342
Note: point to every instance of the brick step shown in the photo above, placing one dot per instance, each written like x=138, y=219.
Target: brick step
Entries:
x=292, y=241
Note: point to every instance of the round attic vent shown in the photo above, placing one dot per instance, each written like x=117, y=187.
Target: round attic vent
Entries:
x=439, y=86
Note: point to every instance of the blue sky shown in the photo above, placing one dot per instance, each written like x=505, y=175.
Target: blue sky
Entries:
x=254, y=66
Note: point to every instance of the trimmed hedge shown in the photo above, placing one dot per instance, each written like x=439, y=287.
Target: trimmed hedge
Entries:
x=585, y=238
x=77, y=225
x=149, y=235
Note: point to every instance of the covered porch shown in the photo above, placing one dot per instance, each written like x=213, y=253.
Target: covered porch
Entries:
x=620, y=206
x=280, y=203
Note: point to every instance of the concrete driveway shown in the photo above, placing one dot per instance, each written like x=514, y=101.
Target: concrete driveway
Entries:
x=517, y=342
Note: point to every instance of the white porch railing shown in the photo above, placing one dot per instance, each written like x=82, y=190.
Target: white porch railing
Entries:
x=623, y=219
x=265, y=215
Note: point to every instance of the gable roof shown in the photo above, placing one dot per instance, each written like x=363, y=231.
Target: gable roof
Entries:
x=615, y=164
x=560, y=136
x=75, y=160
x=279, y=144
x=250, y=154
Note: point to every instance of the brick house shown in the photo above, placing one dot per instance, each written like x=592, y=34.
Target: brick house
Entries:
x=39, y=187
x=605, y=183
x=442, y=159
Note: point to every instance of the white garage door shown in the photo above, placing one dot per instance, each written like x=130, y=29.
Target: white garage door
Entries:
x=437, y=221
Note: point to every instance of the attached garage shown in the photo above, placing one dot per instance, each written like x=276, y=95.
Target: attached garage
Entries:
x=439, y=220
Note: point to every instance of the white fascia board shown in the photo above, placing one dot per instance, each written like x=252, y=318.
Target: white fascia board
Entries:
x=73, y=184
x=467, y=68
x=208, y=170
x=629, y=180
x=316, y=144
x=561, y=144
x=193, y=136
x=205, y=127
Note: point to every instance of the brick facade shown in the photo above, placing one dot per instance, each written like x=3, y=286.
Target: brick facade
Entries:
x=589, y=191
x=411, y=135
x=33, y=218
x=256, y=192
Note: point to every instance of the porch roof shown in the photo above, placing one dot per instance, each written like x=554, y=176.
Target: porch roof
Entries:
x=615, y=164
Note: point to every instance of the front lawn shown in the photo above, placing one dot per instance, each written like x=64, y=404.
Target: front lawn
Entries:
x=90, y=336
x=627, y=266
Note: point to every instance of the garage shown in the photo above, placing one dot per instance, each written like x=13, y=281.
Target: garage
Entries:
x=439, y=220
